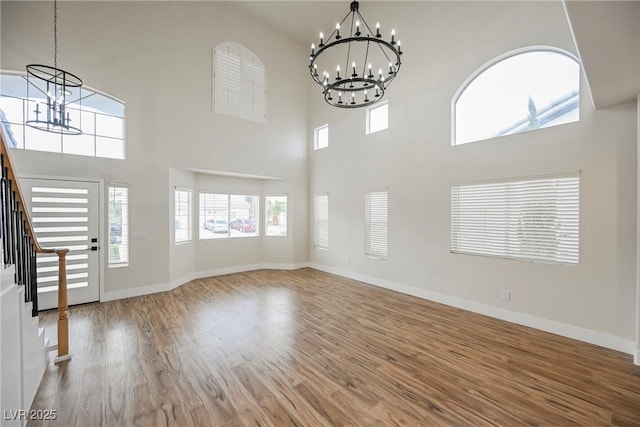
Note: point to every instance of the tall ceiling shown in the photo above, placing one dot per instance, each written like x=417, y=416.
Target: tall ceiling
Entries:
x=607, y=36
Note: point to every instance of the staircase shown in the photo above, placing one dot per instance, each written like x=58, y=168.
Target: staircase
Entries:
x=23, y=349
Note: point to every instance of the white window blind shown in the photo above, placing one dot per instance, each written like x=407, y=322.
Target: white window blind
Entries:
x=118, y=226
x=376, y=225
x=321, y=221
x=533, y=219
x=182, y=215
x=239, y=82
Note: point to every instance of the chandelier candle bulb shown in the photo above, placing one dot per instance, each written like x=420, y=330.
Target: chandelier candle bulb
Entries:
x=378, y=35
x=337, y=31
x=390, y=68
x=339, y=97
x=358, y=29
x=399, y=49
x=393, y=36
x=313, y=49
x=338, y=72
x=353, y=98
x=321, y=40
x=353, y=66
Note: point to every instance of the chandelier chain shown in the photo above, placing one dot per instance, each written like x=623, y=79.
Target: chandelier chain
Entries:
x=55, y=33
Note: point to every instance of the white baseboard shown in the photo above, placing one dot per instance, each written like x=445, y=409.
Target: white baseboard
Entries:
x=563, y=329
x=163, y=287
x=558, y=328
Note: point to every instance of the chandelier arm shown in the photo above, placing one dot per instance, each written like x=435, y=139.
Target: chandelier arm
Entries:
x=346, y=65
x=365, y=23
x=336, y=30
x=387, y=56
x=33, y=84
x=366, y=58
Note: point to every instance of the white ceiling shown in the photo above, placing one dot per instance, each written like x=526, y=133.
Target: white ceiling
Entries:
x=298, y=20
x=607, y=35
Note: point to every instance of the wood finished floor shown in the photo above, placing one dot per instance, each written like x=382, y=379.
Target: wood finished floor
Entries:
x=306, y=348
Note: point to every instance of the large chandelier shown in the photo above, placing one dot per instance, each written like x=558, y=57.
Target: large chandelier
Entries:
x=54, y=90
x=364, y=63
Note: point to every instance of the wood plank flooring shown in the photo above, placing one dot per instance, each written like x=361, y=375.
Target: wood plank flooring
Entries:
x=306, y=348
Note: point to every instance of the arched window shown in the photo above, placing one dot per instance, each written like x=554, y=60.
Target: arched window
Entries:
x=239, y=83
x=102, y=122
x=519, y=91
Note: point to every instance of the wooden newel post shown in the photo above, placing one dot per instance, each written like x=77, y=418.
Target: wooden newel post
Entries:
x=63, y=312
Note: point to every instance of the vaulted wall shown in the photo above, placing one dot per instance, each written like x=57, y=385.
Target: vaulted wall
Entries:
x=157, y=58
x=444, y=43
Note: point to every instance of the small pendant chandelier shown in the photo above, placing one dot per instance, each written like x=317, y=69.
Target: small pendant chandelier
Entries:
x=371, y=62
x=54, y=91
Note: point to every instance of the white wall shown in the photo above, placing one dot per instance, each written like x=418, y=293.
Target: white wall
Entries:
x=444, y=43
x=157, y=57
x=637, y=349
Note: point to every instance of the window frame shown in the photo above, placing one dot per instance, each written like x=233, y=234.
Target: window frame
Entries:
x=316, y=138
x=368, y=120
x=124, y=224
x=494, y=61
x=188, y=215
x=514, y=210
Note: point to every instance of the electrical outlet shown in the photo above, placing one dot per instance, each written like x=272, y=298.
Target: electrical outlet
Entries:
x=505, y=295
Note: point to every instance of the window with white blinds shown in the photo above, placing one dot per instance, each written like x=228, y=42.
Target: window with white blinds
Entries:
x=118, y=226
x=321, y=221
x=182, y=215
x=532, y=219
x=239, y=83
x=376, y=225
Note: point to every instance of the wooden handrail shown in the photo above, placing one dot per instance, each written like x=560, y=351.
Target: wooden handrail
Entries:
x=63, y=324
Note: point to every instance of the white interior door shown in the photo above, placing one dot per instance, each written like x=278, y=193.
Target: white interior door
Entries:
x=65, y=214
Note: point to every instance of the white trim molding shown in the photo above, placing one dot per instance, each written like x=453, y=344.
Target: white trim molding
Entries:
x=163, y=287
x=558, y=328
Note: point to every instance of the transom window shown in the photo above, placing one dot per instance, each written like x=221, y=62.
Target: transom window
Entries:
x=321, y=137
x=517, y=92
x=239, y=83
x=102, y=122
x=377, y=117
